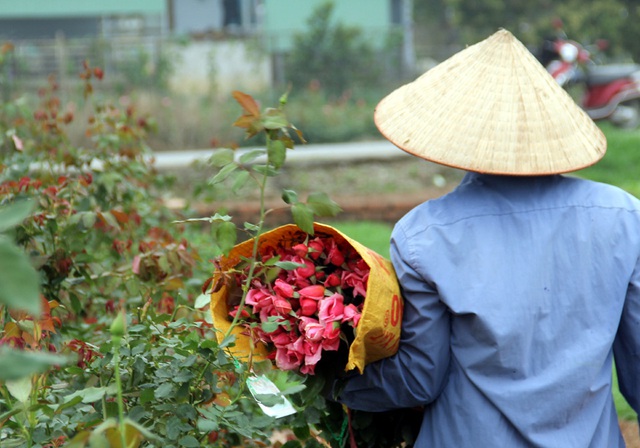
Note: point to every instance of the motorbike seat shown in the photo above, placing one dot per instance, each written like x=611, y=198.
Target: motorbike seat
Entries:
x=608, y=73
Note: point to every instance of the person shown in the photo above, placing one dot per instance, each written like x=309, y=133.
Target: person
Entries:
x=520, y=285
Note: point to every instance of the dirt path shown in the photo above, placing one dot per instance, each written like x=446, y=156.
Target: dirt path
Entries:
x=631, y=433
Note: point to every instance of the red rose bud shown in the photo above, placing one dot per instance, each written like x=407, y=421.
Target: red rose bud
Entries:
x=300, y=250
x=282, y=306
x=308, y=307
x=245, y=314
x=315, y=292
x=332, y=280
x=335, y=256
x=315, y=248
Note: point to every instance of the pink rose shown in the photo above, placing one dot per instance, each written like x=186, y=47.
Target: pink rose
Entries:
x=282, y=306
x=256, y=296
x=352, y=314
x=331, y=308
x=281, y=338
x=311, y=329
x=287, y=358
x=312, y=351
x=355, y=281
x=283, y=288
x=331, y=337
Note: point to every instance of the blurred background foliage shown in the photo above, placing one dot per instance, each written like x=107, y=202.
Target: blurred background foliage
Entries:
x=331, y=66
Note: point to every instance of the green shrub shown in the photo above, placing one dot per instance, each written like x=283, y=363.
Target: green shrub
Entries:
x=105, y=249
x=332, y=55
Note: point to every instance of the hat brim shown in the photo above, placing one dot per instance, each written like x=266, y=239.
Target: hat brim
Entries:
x=491, y=108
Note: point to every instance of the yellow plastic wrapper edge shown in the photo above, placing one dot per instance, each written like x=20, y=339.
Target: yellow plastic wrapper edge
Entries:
x=378, y=332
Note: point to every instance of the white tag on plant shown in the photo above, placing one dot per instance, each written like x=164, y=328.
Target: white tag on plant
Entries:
x=269, y=397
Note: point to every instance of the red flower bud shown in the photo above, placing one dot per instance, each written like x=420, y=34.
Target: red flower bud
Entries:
x=308, y=307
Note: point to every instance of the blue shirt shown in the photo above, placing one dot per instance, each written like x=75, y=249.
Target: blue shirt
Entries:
x=518, y=293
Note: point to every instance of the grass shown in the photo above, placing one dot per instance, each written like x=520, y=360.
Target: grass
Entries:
x=621, y=163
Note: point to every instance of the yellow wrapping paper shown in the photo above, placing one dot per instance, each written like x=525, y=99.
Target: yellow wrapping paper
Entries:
x=378, y=331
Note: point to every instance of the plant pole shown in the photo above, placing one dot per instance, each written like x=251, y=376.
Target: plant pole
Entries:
x=408, y=50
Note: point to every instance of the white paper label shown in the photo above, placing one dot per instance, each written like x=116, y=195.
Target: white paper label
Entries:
x=261, y=385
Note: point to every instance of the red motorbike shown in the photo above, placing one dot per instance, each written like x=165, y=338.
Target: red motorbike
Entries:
x=610, y=92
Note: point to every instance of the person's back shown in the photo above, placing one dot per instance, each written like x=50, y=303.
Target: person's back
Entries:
x=520, y=285
x=534, y=273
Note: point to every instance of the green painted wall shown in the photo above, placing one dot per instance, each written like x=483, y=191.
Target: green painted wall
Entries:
x=284, y=18
x=78, y=8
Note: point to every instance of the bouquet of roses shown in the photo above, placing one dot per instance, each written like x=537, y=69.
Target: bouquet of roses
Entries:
x=308, y=309
x=317, y=304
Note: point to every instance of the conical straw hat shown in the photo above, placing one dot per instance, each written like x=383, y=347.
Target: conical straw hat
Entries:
x=491, y=108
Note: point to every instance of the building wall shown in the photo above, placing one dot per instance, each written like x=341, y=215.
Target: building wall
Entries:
x=196, y=16
x=78, y=8
x=281, y=21
x=189, y=17
x=220, y=66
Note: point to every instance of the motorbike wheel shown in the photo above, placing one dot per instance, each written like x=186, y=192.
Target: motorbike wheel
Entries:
x=627, y=115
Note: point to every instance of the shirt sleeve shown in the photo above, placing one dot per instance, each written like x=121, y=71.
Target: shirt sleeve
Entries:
x=627, y=345
x=416, y=374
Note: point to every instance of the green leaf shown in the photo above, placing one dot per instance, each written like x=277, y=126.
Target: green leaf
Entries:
x=14, y=214
x=321, y=205
x=289, y=265
x=274, y=119
x=67, y=404
x=222, y=157
x=202, y=300
x=226, y=236
x=17, y=408
x=240, y=181
x=147, y=396
x=251, y=227
x=223, y=173
x=215, y=218
x=266, y=170
x=250, y=156
x=289, y=196
x=294, y=389
x=165, y=390
x=175, y=427
x=20, y=388
x=272, y=324
x=20, y=282
x=205, y=425
x=228, y=341
x=277, y=153
x=303, y=217
x=88, y=219
x=16, y=364
x=189, y=441
x=92, y=394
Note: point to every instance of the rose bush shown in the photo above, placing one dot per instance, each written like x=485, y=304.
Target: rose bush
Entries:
x=94, y=244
